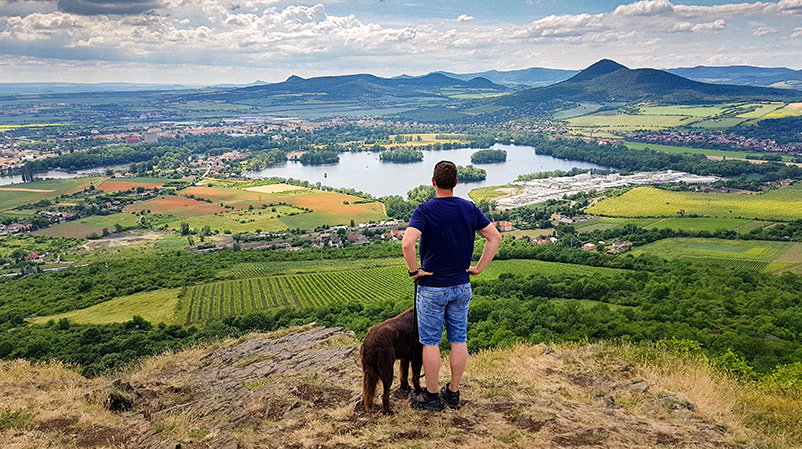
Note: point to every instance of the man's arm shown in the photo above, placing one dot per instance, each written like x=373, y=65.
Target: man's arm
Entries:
x=490, y=233
x=408, y=249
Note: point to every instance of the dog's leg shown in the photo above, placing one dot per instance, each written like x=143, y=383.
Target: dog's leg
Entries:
x=386, y=369
x=404, y=374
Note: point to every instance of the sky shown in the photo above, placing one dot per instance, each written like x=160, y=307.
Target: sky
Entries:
x=240, y=41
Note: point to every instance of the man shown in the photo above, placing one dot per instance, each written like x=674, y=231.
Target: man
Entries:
x=447, y=227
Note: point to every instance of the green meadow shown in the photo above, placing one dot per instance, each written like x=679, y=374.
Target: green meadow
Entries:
x=760, y=255
x=15, y=195
x=158, y=306
x=647, y=117
x=705, y=151
x=676, y=223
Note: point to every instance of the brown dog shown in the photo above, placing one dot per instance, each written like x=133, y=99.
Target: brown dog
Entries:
x=386, y=342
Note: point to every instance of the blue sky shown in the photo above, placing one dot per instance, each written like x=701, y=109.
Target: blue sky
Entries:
x=239, y=41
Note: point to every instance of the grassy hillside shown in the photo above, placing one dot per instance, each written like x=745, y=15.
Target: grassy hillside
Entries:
x=157, y=307
x=16, y=195
x=248, y=393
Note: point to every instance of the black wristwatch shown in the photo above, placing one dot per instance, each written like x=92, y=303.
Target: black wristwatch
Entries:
x=413, y=273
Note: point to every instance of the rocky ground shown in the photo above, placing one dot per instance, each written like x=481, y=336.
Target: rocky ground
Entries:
x=298, y=390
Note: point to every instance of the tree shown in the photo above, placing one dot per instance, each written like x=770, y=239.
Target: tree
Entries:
x=352, y=223
x=18, y=255
x=27, y=173
x=184, y=228
x=421, y=194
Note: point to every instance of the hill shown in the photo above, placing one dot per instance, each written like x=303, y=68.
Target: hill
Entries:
x=534, y=76
x=297, y=388
x=608, y=81
x=350, y=87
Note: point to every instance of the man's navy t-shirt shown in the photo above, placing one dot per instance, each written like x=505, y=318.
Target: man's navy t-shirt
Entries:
x=448, y=228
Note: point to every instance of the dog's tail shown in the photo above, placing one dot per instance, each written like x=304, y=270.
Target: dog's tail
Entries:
x=369, y=382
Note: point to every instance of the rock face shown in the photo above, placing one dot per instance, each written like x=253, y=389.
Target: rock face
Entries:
x=251, y=381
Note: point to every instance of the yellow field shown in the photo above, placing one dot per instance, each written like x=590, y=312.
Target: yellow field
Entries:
x=4, y=128
x=274, y=188
x=780, y=204
x=425, y=139
x=790, y=110
x=157, y=307
x=531, y=233
x=628, y=122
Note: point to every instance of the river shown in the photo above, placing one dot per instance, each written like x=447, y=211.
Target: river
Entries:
x=365, y=172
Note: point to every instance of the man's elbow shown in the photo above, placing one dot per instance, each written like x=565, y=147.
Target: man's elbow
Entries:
x=407, y=245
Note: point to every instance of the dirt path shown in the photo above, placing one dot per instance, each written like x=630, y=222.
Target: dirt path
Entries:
x=22, y=189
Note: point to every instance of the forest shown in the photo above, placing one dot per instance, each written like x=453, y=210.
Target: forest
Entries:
x=401, y=156
x=756, y=316
x=488, y=156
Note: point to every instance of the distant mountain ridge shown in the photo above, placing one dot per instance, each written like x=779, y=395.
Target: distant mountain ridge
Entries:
x=354, y=87
x=737, y=74
x=742, y=74
x=608, y=81
x=534, y=76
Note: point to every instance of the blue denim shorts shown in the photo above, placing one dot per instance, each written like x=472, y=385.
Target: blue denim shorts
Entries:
x=438, y=304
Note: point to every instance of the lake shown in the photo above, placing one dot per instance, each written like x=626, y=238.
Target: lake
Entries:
x=365, y=172
x=57, y=174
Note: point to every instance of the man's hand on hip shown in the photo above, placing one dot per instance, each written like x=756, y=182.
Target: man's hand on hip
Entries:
x=473, y=271
x=420, y=274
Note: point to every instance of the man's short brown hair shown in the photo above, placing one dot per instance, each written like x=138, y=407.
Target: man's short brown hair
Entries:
x=445, y=175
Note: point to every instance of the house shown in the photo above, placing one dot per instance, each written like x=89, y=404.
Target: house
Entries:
x=618, y=245
x=34, y=256
x=588, y=247
x=503, y=226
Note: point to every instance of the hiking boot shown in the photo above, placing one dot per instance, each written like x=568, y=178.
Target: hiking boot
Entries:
x=450, y=399
x=423, y=400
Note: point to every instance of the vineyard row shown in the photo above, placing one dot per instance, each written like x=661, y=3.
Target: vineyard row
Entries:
x=237, y=297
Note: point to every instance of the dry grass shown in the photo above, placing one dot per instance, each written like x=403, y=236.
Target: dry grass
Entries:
x=48, y=400
x=524, y=396
x=750, y=412
x=169, y=360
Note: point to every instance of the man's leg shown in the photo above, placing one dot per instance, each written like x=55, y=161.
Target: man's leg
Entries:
x=458, y=360
x=431, y=367
x=456, y=319
x=431, y=307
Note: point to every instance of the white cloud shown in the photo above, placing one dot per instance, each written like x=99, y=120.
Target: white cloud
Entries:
x=308, y=39
x=645, y=8
x=764, y=31
x=698, y=27
x=710, y=26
